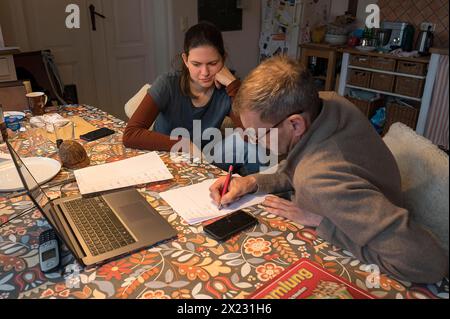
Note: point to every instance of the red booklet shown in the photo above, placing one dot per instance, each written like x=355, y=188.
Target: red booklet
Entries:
x=306, y=280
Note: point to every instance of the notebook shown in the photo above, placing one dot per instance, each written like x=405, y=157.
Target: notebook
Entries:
x=194, y=204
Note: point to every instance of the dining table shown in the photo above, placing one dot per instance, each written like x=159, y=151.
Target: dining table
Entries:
x=191, y=266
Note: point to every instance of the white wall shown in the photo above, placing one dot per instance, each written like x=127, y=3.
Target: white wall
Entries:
x=6, y=23
x=242, y=46
x=338, y=7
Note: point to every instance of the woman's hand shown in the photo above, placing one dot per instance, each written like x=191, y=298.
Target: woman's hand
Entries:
x=285, y=208
x=224, y=77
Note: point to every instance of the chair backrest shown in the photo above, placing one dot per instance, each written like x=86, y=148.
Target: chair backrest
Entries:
x=135, y=101
x=424, y=170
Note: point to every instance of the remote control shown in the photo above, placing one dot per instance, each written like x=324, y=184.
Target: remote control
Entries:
x=48, y=251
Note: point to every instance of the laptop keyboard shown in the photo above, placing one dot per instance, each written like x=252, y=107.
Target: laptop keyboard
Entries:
x=98, y=224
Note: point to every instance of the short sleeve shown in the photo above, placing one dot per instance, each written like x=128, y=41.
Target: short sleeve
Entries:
x=160, y=91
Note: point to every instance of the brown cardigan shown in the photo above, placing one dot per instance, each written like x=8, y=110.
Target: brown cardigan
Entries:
x=137, y=134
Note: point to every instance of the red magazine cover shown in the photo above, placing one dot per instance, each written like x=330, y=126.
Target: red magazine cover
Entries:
x=307, y=280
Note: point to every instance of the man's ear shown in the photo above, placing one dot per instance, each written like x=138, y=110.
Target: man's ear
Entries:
x=299, y=124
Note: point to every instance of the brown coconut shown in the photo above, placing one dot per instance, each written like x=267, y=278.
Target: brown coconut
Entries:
x=73, y=155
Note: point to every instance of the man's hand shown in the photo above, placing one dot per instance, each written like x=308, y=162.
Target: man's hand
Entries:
x=224, y=77
x=289, y=210
x=238, y=187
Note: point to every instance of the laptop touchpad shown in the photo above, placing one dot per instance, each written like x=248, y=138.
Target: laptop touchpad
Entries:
x=134, y=212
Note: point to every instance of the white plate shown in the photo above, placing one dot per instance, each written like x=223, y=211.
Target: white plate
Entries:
x=12, y=113
x=42, y=168
x=366, y=49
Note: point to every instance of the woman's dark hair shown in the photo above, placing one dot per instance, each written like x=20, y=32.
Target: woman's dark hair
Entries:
x=201, y=34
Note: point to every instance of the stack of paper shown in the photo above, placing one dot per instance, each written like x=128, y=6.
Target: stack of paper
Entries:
x=137, y=170
x=194, y=204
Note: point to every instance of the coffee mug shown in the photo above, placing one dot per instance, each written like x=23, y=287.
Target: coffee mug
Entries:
x=36, y=102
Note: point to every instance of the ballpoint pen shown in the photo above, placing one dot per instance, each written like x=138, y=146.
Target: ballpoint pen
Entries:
x=225, y=186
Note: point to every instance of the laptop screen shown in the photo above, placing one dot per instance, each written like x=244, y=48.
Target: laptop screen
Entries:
x=30, y=184
x=37, y=195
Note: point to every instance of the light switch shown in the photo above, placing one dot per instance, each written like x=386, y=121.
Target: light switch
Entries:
x=424, y=26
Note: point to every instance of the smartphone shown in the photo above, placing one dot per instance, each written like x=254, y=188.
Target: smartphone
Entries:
x=96, y=134
x=230, y=225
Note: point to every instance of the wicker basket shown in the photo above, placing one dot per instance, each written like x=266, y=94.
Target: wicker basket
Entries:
x=382, y=82
x=415, y=68
x=382, y=63
x=368, y=108
x=409, y=86
x=359, y=78
x=360, y=60
x=396, y=112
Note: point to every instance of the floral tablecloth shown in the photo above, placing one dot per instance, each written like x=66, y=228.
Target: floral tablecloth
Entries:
x=192, y=266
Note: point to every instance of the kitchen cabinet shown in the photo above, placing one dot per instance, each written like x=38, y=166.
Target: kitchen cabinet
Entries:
x=7, y=68
x=410, y=79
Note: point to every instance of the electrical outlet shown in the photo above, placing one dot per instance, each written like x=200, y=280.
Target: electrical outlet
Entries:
x=424, y=26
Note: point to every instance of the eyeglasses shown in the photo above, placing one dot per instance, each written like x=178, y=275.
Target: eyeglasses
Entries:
x=252, y=138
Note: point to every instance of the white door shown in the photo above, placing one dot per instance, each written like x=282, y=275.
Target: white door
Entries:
x=45, y=28
x=108, y=65
x=123, y=52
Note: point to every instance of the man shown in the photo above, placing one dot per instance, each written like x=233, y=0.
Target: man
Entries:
x=345, y=180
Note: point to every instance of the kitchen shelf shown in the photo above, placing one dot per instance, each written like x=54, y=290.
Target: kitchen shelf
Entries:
x=384, y=92
x=429, y=78
x=383, y=55
x=387, y=72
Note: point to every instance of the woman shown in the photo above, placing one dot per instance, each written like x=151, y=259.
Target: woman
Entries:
x=202, y=90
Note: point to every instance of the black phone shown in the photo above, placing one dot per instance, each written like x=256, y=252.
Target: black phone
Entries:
x=230, y=225
x=96, y=134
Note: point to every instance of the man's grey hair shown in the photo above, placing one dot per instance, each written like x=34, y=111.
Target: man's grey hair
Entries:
x=278, y=87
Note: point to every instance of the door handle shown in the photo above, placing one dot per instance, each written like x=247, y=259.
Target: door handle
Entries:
x=93, y=14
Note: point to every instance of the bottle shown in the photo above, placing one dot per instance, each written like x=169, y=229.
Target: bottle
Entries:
x=313, y=66
x=4, y=133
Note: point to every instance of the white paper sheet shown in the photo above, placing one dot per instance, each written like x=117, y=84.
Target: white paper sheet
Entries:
x=137, y=170
x=194, y=204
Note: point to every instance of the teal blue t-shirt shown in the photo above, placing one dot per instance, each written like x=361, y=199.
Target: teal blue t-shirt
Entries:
x=177, y=110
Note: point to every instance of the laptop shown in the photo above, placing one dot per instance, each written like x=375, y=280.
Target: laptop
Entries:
x=99, y=228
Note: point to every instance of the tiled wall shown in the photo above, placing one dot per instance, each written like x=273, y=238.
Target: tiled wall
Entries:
x=418, y=11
